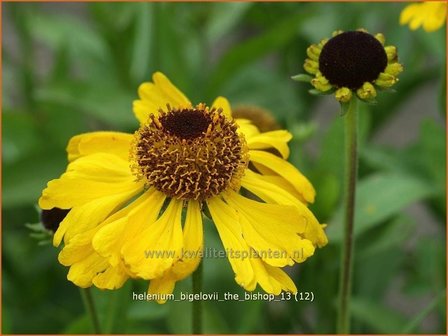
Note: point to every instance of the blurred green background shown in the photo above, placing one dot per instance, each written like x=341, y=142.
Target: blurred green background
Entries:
x=75, y=67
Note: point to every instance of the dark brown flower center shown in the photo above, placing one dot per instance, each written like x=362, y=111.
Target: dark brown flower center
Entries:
x=186, y=124
x=352, y=58
x=190, y=153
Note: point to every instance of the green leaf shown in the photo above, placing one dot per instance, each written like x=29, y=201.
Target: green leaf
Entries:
x=143, y=41
x=81, y=325
x=24, y=180
x=268, y=90
x=302, y=78
x=248, y=51
x=380, y=318
x=59, y=30
x=378, y=198
x=179, y=313
x=329, y=190
x=214, y=321
x=386, y=237
x=107, y=103
x=20, y=136
x=223, y=17
x=147, y=311
x=111, y=307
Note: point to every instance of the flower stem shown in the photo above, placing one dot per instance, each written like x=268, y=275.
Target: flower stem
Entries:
x=351, y=170
x=197, y=304
x=89, y=305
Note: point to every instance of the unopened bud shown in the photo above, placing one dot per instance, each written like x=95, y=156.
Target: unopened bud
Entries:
x=343, y=94
x=366, y=91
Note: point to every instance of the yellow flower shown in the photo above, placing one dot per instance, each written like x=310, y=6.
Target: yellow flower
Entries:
x=136, y=201
x=431, y=15
x=351, y=63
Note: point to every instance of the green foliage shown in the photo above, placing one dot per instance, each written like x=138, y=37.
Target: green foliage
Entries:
x=74, y=68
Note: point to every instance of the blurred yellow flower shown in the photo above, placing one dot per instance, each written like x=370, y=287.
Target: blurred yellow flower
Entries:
x=431, y=15
x=136, y=202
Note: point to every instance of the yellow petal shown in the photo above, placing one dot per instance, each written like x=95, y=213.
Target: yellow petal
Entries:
x=127, y=224
x=435, y=17
x=143, y=109
x=282, y=278
x=76, y=249
x=272, y=230
x=408, y=13
x=269, y=176
x=111, y=278
x=247, y=128
x=87, y=216
x=191, y=255
x=272, y=279
x=286, y=170
x=83, y=272
x=156, y=95
x=231, y=235
x=273, y=193
x=87, y=179
x=160, y=287
x=176, y=97
x=416, y=22
x=193, y=243
x=155, y=250
x=273, y=139
x=116, y=143
x=224, y=104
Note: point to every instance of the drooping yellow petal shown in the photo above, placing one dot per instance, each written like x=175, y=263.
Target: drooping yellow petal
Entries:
x=273, y=139
x=151, y=253
x=156, y=95
x=193, y=243
x=272, y=279
x=111, y=278
x=286, y=170
x=230, y=231
x=273, y=193
x=116, y=143
x=223, y=103
x=83, y=272
x=76, y=249
x=128, y=224
x=281, y=277
x=99, y=269
x=278, y=181
x=87, y=179
x=86, y=216
x=87, y=267
x=191, y=255
x=272, y=230
x=160, y=287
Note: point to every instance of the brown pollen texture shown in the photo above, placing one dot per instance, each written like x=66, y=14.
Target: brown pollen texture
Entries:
x=190, y=153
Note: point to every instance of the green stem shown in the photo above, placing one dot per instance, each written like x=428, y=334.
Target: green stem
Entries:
x=351, y=170
x=89, y=304
x=197, y=304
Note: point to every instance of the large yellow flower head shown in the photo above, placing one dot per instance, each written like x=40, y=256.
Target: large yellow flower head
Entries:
x=352, y=63
x=430, y=15
x=135, y=202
